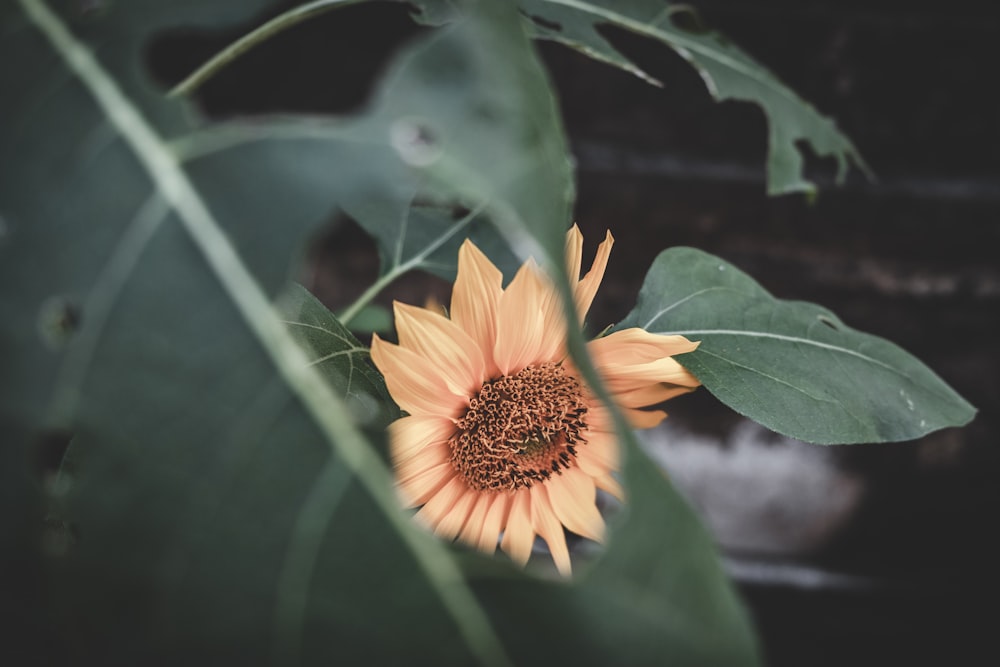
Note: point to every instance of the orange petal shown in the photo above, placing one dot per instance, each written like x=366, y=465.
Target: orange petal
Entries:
x=572, y=495
x=417, y=490
x=650, y=394
x=415, y=384
x=451, y=524
x=644, y=418
x=599, y=455
x=477, y=517
x=438, y=507
x=545, y=523
x=608, y=483
x=496, y=518
x=520, y=324
x=574, y=253
x=518, y=534
x=409, y=435
x=475, y=299
x=586, y=289
x=430, y=456
x=636, y=346
x=443, y=343
x=621, y=378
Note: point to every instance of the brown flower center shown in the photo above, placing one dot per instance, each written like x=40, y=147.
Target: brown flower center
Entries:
x=520, y=429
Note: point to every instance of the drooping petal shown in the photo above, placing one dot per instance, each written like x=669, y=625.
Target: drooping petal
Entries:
x=518, y=534
x=433, y=336
x=409, y=435
x=520, y=324
x=455, y=518
x=477, y=517
x=572, y=495
x=643, y=418
x=496, y=519
x=438, y=507
x=476, y=297
x=586, y=289
x=420, y=488
x=545, y=523
x=414, y=383
x=650, y=394
x=636, y=346
x=620, y=378
x=430, y=456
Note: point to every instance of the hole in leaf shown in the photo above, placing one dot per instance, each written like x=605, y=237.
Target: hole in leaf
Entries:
x=58, y=320
x=687, y=18
x=545, y=23
x=828, y=322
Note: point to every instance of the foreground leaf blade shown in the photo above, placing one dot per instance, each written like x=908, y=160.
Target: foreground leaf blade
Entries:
x=792, y=366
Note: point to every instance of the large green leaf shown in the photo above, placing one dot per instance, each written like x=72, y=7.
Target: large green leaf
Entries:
x=224, y=503
x=728, y=72
x=792, y=366
x=210, y=458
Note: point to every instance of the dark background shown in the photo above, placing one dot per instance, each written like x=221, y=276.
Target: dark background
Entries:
x=898, y=567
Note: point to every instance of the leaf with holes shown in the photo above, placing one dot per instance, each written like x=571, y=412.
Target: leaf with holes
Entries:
x=728, y=72
x=792, y=366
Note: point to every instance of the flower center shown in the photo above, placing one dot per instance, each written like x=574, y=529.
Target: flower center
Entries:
x=520, y=429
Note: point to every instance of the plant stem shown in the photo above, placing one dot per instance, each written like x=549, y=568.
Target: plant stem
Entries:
x=345, y=316
x=276, y=25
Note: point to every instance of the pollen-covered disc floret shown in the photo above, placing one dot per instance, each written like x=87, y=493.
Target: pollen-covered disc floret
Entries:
x=520, y=429
x=501, y=436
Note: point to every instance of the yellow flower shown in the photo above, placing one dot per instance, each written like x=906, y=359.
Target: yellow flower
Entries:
x=502, y=436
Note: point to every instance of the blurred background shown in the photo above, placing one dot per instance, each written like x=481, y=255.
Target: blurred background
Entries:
x=844, y=555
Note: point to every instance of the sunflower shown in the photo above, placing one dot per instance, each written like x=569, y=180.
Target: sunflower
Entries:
x=502, y=435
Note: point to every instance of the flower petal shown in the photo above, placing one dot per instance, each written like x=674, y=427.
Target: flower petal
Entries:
x=621, y=378
x=438, y=507
x=420, y=488
x=572, y=495
x=433, y=336
x=414, y=383
x=518, y=534
x=430, y=456
x=475, y=299
x=477, y=517
x=643, y=418
x=586, y=289
x=496, y=519
x=545, y=523
x=409, y=435
x=520, y=324
x=453, y=521
x=574, y=253
x=636, y=346
x=650, y=394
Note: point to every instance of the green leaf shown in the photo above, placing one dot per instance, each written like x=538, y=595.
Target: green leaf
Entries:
x=792, y=366
x=728, y=72
x=339, y=357
x=218, y=475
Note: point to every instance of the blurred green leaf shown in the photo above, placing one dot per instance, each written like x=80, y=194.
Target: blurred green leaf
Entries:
x=223, y=501
x=728, y=72
x=792, y=366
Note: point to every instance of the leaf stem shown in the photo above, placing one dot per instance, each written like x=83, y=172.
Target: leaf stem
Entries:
x=248, y=41
x=349, y=313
